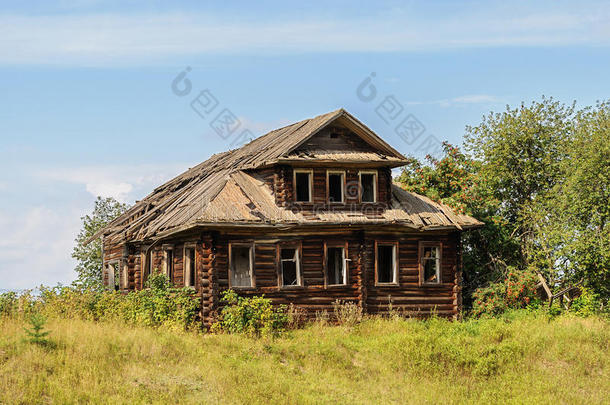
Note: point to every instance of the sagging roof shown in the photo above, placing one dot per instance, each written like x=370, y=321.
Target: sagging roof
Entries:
x=224, y=190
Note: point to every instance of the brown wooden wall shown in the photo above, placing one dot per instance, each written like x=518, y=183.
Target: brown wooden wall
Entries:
x=408, y=297
x=280, y=180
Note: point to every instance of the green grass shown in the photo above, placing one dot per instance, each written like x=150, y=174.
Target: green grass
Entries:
x=523, y=359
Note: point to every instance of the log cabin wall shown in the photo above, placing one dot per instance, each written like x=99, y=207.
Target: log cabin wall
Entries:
x=408, y=297
x=282, y=178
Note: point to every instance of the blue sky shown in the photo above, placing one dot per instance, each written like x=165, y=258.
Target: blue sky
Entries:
x=88, y=108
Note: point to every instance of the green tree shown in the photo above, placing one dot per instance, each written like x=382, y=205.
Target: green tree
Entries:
x=89, y=257
x=520, y=152
x=455, y=180
x=572, y=223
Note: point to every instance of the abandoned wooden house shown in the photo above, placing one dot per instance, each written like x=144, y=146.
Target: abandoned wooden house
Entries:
x=306, y=214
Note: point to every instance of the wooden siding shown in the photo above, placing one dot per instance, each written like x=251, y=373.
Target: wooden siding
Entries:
x=408, y=297
x=284, y=189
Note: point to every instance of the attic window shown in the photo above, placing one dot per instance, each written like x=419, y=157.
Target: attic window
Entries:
x=290, y=267
x=430, y=263
x=189, y=266
x=302, y=185
x=335, y=181
x=368, y=186
x=334, y=135
x=386, y=266
x=241, y=265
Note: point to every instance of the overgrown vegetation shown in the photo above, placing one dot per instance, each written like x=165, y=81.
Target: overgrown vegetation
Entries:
x=253, y=316
x=539, y=177
x=521, y=357
x=159, y=305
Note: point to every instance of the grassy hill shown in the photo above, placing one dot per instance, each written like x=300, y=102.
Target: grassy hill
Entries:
x=522, y=358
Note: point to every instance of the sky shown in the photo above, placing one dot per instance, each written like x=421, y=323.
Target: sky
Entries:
x=111, y=98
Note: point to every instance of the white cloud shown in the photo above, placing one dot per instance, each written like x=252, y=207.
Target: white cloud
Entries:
x=461, y=100
x=35, y=247
x=120, y=182
x=134, y=38
x=475, y=99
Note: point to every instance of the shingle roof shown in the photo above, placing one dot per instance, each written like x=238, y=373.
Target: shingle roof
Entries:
x=222, y=191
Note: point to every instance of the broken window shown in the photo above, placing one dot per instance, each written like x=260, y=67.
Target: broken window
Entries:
x=368, y=186
x=168, y=263
x=241, y=266
x=125, y=275
x=335, y=186
x=302, y=185
x=290, y=270
x=430, y=264
x=114, y=277
x=189, y=266
x=335, y=266
x=387, y=269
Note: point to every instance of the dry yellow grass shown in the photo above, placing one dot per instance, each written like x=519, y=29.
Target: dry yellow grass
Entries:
x=523, y=359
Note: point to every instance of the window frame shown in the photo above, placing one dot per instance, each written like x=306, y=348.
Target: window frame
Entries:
x=124, y=283
x=346, y=259
x=375, y=185
x=343, y=177
x=279, y=260
x=168, y=266
x=251, y=246
x=185, y=270
x=294, y=184
x=112, y=280
x=439, y=259
x=395, y=261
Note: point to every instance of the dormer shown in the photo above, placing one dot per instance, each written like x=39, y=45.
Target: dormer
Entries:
x=341, y=165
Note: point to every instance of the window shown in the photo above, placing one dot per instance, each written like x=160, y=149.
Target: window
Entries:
x=386, y=263
x=188, y=265
x=429, y=263
x=290, y=267
x=336, y=271
x=240, y=265
x=368, y=186
x=114, y=277
x=335, y=184
x=125, y=275
x=302, y=185
x=168, y=261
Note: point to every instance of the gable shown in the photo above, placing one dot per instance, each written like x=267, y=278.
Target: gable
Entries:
x=334, y=139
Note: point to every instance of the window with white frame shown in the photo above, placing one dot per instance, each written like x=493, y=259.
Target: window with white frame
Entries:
x=335, y=181
x=336, y=265
x=241, y=265
x=368, y=186
x=303, y=184
x=188, y=265
x=430, y=262
x=386, y=263
x=290, y=266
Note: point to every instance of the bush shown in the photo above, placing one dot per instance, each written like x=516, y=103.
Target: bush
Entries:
x=160, y=304
x=251, y=316
x=587, y=304
x=517, y=290
x=347, y=313
x=8, y=304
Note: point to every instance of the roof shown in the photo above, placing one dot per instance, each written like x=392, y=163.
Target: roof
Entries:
x=223, y=189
